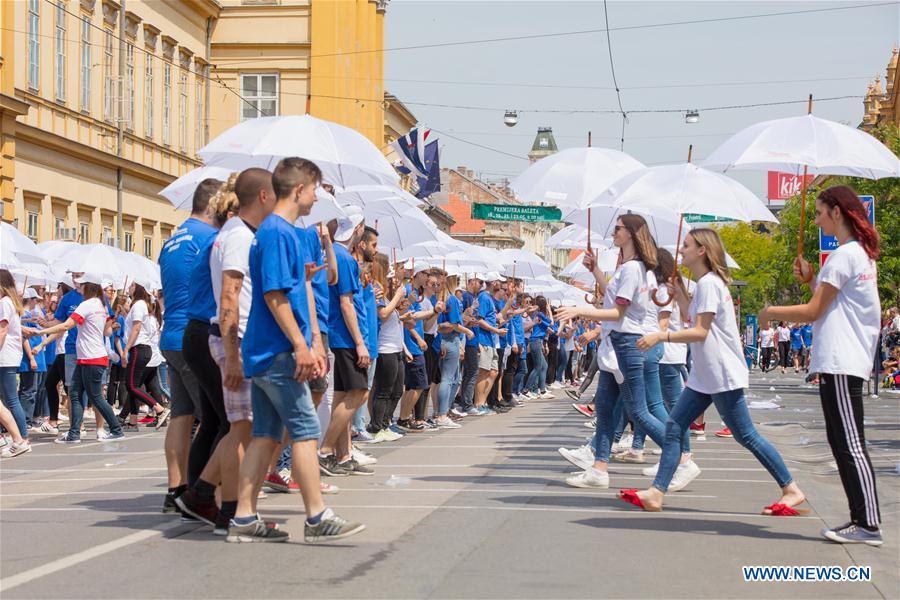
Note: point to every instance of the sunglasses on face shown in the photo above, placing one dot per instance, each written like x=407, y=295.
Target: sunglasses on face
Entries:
x=617, y=228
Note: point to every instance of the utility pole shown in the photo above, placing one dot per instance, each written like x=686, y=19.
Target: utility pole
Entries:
x=120, y=139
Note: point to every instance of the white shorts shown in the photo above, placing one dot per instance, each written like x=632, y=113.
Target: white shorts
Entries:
x=238, y=406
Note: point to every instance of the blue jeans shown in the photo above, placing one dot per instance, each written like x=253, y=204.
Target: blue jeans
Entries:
x=10, y=393
x=618, y=417
x=470, y=374
x=671, y=379
x=87, y=386
x=655, y=405
x=280, y=401
x=631, y=364
x=537, y=379
x=733, y=410
x=163, y=373
x=521, y=371
x=359, y=417
x=562, y=359
x=30, y=384
x=450, y=379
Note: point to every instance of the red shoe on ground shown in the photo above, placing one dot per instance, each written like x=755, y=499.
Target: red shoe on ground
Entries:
x=724, y=433
x=277, y=483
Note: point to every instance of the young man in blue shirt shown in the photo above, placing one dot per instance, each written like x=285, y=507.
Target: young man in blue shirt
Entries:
x=471, y=354
x=277, y=356
x=176, y=263
x=487, y=335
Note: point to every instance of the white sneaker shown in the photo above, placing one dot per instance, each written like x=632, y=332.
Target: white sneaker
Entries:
x=623, y=444
x=457, y=412
x=650, y=471
x=592, y=478
x=546, y=395
x=392, y=436
x=361, y=457
x=592, y=424
x=582, y=457
x=684, y=475
x=656, y=451
x=447, y=423
x=364, y=436
x=381, y=436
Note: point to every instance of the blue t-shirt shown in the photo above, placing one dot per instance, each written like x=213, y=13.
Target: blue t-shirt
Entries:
x=373, y=322
x=347, y=283
x=541, y=325
x=806, y=333
x=176, y=263
x=414, y=306
x=64, y=310
x=796, y=339
x=41, y=357
x=504, y=340
x=468, y=301
x=309, y=239
x=518, y=328
x=202, y=300
x=276, y=263
x=488, y=313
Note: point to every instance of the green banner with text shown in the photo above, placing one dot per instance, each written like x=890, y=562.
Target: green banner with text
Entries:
x=697, y=218
x=515, y=212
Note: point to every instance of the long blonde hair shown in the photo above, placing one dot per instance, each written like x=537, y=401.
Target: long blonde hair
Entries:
x=8, y=288
x=225, y=201
x=715, y=251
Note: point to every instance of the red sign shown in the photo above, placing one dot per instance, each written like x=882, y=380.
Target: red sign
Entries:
x=823, y=256
x=785, y=185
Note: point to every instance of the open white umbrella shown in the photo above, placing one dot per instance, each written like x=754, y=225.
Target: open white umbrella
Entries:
x=806, y=144
x=663, y=227
x=181, y=191
x=345, y=156
x=14, y=242
x=518, y=262
x=574, y=236
x=404, y=228
x=325, y=209
x=360, y=195
x=104, y=260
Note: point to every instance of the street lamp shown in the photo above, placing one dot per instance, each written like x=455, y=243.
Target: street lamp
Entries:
x=510, y=118
x=692, y=116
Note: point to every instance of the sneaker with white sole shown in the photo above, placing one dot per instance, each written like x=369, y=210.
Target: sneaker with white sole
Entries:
x=473, y=412
x=447, y=423
x=105, y=436
x=257, y=531
x=361, y=457
x=582, y=457
x=650, y=471
x=546, y=395
x=364, y=436
x=591, y=478
x=383, y=435
x=853, y=534
x=684, y=475
x=46, y=427
x=629, y=457
x=592, y=424
x=329, y=528
x=15, y=449
x=457, y=412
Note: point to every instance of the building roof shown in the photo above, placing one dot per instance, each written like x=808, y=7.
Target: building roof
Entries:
x=544, y=144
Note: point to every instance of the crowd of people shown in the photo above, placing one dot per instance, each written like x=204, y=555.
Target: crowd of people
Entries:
x=287, y=348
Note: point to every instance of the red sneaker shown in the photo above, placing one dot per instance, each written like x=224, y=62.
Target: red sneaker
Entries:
x=147, y=419
x=277, y=483
x=698, y=428
x=724, y=433
x=585, y=409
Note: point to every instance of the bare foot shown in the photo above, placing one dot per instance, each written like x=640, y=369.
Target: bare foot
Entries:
x=652, y=499
x=792, y=499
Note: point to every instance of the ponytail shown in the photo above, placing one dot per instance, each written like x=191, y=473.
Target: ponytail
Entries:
x=854, y=213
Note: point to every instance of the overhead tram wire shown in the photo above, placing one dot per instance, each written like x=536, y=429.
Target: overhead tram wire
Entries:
x=612, y=68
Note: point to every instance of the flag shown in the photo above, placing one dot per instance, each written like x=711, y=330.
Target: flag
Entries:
x=432, y=182
x=411, y=150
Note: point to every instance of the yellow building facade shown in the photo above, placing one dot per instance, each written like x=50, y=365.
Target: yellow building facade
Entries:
x=173, y=74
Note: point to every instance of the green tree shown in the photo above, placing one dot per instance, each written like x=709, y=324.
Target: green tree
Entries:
x=754, y=251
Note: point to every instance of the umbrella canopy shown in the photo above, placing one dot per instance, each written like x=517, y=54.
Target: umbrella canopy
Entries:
x=14, y=242
x=360, y=195
x=523, y=263
x=325, y=209
x=663, y=227
x=181, y=191
x=404, y=228
x=822, y=146
x=675, y=190
x=607, y=257
x=345, y=157
x=574, y=236
x=104, y=260
x=573, y=177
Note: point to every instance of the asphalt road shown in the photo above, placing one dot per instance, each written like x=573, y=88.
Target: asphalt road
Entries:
x=479, y=512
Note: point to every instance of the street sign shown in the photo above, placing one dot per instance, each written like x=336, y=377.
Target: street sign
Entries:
x=829, y=243
x=515, y=212
x=785, y=185
x=698, y=218
x=823, y=256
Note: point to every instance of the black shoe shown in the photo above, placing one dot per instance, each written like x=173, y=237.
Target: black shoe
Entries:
x=500, y=408
x=169, y=505
x=221, y=526
x=200, y=508
x=328, y=465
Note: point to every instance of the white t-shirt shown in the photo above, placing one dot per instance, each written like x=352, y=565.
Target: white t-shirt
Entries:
x=784, y=334
x=673, y=353
x=767, y=338
x=90, y=346
x=847, y=333
x=630, y=283
x=651, y=318
x=569, y=344
x=719, y=364
x=61, y=343
x=390, y=336
x=11, y=352
x=152, y=327
x=427, y=305
x=138, y=312
x=231, y=252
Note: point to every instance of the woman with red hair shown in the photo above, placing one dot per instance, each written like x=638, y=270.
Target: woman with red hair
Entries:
x=845, y=312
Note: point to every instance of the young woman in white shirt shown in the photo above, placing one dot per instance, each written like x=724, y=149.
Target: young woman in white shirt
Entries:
x=139, y=352
x=626, y=301
x=719, y=375
x=783, y=334
x=845, y=311
x=94, y=325
x=12, y=415
x=767, y=345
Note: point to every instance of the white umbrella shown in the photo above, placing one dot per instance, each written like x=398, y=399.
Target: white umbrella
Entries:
x=518, y=262
x=808, y=144
x=360, y=195
x=574, y=236
x=139, y=270
x=325, y=209
x=181, y=191
x=345, y=157
x=729, y=260
x=663, y=227
x=14, y=242
x=401, y=230
x=104, y=260
x=607, y=259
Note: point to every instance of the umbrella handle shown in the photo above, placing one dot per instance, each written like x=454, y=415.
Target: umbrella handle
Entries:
x=802, y=214
x=657, y=302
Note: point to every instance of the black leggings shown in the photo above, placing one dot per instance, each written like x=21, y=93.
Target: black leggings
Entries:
x=213, y=421
x=389, y=376
x=784, y=353
x=842, y=404
x=56, y=374
x=136, y=375
x=766, y=358
x=116, y=390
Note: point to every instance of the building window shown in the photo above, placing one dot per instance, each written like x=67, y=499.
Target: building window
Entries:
x=199, y=129
x=32, y=225
x=148, y=246
x=129, y=86
x=129, y=241
x=59, y=229
x=148, y=96
x=85, y=63
x=84, y=232
x=182, y=109
x=34, y=44
x=60, y=42
x=108, y=238
x=260, y=93
x=108, y=81
x=166, y=100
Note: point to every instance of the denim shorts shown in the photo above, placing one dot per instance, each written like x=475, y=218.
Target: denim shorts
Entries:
x=281, y=402
x=237, y=403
